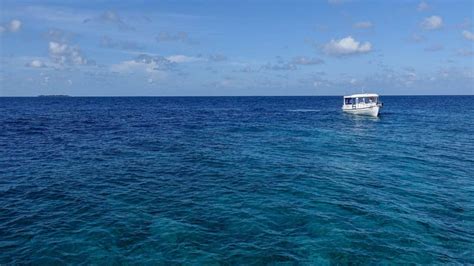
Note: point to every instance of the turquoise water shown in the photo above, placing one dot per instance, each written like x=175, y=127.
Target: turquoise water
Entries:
x=235, y=180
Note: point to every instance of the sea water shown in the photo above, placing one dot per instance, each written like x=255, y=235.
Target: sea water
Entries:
x=235, y=180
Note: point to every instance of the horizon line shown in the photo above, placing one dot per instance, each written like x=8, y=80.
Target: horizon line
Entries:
x=170, y=96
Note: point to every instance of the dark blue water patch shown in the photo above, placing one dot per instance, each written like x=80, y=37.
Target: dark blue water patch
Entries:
x=236, y=180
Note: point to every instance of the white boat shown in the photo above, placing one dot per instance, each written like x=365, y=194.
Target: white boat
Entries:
x=362, y=104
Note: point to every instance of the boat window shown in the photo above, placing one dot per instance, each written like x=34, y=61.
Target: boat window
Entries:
x=366, y=100
x=349, y=100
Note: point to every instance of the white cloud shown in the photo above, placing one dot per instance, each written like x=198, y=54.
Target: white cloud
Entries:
x=468, y=35
x=415, y=37
x=57, y=48
x=182, y=59
x=363, y=25
x=131, y=66
x=423, y=6
x=127, y=66
x=432, y=23
x=36, y=64
x=149, y=69
x=13, y=26
x=346, y=46
x=153, y=67
x=65, y=54
x=157, y=62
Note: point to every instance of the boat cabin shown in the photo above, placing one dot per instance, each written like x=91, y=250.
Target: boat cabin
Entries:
x=361, y=99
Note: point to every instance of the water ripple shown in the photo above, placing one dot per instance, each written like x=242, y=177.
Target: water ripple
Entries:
x=235, y=180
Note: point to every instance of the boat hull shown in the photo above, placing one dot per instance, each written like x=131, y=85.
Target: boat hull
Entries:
x=369, y=111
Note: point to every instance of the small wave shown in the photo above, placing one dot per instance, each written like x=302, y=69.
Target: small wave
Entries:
x=303, y=110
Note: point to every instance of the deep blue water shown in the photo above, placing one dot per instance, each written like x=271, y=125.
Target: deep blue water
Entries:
x=235, y=180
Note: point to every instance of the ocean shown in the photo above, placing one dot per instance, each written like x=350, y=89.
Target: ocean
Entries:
x=236, y=180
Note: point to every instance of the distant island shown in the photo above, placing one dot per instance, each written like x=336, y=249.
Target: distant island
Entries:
x=55, y=96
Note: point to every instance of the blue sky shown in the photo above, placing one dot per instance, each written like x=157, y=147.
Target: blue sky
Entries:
x=260, y=47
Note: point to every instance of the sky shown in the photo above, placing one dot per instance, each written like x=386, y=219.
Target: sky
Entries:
x=234, y=48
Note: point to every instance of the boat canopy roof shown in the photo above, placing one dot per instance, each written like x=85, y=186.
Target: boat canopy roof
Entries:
x=362, y=95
